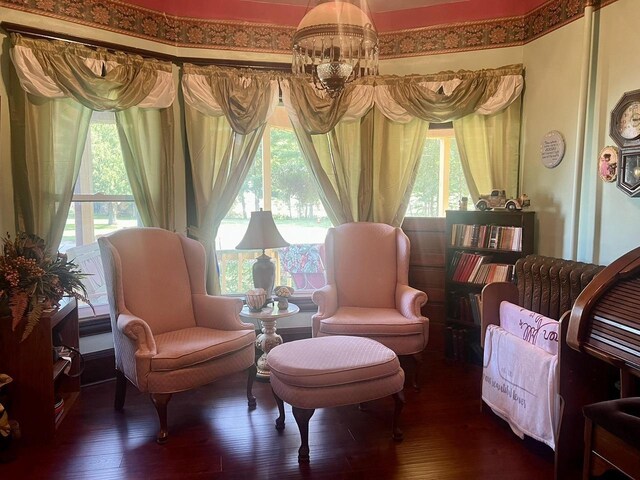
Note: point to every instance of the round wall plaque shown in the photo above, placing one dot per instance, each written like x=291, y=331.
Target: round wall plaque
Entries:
x=552, y=149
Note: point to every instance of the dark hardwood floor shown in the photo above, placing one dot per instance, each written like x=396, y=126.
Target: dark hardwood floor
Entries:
x=214, y=435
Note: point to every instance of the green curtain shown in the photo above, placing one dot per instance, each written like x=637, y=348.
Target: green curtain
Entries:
x=47, y=139
x=66, y=82
x=489, y=150
x=397, y=149
x=341, y=170
x=226, y=111
x=220, y=161
x=365, y=166
x=72, y=67
x=146, y=138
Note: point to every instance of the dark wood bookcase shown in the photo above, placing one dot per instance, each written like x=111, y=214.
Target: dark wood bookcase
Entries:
x=38, y=380
x=507, y=237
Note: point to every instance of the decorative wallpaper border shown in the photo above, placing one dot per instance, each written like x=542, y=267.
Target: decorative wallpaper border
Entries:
x=116, y=16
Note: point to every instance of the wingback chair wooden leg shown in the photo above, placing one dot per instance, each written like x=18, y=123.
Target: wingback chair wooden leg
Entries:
x=160, y=400
x=417, y=367
x=252, y=372
x=121, y=390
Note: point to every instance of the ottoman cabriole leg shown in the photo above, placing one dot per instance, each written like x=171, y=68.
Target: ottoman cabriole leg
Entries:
x=302, y=416
x=280, y=419
x=398, y=398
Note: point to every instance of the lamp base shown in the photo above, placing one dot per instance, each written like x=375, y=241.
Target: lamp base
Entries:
x=264, y=273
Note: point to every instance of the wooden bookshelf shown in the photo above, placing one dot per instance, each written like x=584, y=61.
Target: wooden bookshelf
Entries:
x=481, y=246
x=38, y=380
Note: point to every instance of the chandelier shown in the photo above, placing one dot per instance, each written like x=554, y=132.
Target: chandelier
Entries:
x=335, y=43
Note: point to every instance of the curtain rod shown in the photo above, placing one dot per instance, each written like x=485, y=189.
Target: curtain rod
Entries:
x=32, y=32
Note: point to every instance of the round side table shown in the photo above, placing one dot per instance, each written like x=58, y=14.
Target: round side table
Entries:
x=268, y=339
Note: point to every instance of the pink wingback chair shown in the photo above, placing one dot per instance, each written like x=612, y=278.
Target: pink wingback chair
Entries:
x=367, y=292
x=169, y=335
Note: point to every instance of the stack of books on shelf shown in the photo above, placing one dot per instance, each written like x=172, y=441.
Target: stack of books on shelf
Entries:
x=486, y=236
x=58, y=408
x=455, y=343
x=493, y=272
x=461, y=345
x=468, y=307
x=466, y=267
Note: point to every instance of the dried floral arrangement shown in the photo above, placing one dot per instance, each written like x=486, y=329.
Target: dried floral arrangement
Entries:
x=33, y=280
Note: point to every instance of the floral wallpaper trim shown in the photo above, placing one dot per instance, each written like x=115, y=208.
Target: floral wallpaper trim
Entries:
x=119, y=17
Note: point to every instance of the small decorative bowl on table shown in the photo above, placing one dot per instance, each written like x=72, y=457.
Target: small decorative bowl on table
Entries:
x=256, y=299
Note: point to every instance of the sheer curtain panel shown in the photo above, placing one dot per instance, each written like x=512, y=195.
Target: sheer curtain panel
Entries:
x=226, y=111
x=60, y=85
x=364, y=146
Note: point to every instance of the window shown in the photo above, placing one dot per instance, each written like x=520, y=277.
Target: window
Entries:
x=102, y=203
x=440, y=160
x=280, y=181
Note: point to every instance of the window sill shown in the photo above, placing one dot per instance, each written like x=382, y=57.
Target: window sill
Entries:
x=95, y=325
x=101, y=323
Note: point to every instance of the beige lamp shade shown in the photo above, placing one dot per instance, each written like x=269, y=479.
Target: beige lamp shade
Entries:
x=328, y=13
x=335, y=43
x=262, y=233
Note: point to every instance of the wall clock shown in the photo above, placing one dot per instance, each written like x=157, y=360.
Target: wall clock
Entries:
x=625, y=131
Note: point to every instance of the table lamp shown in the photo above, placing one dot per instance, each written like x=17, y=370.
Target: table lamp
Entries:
x=262, y=234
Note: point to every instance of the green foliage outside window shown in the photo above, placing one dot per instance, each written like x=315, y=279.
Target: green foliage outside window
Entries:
x=109, y=175
x=425, y=194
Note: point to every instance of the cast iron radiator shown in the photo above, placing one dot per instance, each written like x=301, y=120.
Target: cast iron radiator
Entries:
x=550, y=285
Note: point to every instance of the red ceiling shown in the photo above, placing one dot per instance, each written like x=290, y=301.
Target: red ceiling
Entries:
x=398, y=16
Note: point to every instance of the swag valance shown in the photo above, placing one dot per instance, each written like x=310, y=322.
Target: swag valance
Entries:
x=64, y=84
x=97, y=79
x=246, y=98
x=441, y=97
x=226, y=112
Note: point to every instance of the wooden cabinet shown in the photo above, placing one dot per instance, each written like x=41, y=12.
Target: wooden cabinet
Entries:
x=39, y=382
x=481, y=246
x=426, y=263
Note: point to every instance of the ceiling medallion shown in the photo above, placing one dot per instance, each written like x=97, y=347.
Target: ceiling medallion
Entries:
x=335, y=43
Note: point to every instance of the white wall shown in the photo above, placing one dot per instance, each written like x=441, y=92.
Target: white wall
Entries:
x=550, y=102
x=476, y=60
x=615, y=222
x=609, y=220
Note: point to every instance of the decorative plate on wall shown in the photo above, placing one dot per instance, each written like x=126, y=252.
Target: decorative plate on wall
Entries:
x=552, y=149
x=608, y=164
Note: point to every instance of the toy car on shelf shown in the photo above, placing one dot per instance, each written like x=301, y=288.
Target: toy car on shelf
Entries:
x=498, y=199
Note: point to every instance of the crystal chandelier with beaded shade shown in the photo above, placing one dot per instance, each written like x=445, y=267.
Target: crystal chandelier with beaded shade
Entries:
x=335, y=43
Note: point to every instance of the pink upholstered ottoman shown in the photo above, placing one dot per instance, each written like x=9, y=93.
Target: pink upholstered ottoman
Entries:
x=330, y=372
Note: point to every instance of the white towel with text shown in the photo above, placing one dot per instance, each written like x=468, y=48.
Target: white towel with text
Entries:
x=519, y=383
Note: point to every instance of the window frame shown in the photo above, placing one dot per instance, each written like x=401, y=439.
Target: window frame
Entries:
x=279, y=120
